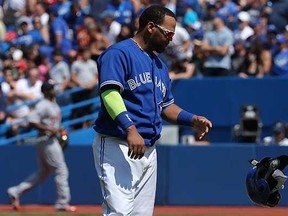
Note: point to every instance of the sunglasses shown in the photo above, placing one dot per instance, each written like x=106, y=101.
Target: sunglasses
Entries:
x=168, y=33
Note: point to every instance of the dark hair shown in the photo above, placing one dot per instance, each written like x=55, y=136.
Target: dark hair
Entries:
x=155, y=14
x=83, y=49
x=57, y=51
x=7, y=68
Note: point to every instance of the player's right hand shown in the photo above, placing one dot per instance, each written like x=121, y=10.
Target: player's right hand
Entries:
x=136, y=143
x=201, y=125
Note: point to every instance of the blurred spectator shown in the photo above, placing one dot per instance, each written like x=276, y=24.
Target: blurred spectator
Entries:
x=88, y=21
x=265, y=57
x=9, y=83
x=43, y=64
x=239, y=57
x=30, y=36
x=126, y=32
x=3, y=105
x=181, y=68
x=8, y=62
x=75, y=18
x=228, y=10
x=195, y=30
x=254, y=8
x=139, y=6
x=2, y=25
x=270, y=40
x=183, y=4
x=59, y=72
x=279, y=135
x=257, y=63
x=43, y=30
x=70, y=58
x=13, y=10
x=31, y=54
x=59, y=32
x=9, y=38
x=63, y=8
x=97, y=7
x=210, y=12
x=111, y=28
x=85, y=6
x=170, y=4
x=280, y=63
x=123, y=11
x=23, y=25
x=217, y=45
x=278, y=15
x=19, y=62
x=82, y=37
x=84, y=70
x=190, y=17
x=198, y=59
x=259, y=28
x=84, y=73
x=30, y=7
x=41, y=11
x=50, y=2
x=26, y=90
x=244, y=31
x=83, y=34
x=99, y=41
x=286, y=32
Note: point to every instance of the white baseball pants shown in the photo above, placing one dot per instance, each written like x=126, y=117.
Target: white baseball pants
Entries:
x=128, y=186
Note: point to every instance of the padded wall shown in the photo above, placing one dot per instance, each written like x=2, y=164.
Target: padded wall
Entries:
x=187, y=175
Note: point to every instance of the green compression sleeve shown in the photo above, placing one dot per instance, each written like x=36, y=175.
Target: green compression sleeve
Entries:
x=113, y=102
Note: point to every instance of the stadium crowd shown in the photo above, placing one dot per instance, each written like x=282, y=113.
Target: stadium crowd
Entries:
x=62, y=39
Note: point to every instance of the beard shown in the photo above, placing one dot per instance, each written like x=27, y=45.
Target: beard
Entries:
x=158, y=45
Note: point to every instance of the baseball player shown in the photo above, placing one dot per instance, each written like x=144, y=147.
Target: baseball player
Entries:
x=46, y=118
x=135, y=95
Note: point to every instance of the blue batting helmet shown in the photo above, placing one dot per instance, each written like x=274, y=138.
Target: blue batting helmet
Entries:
x=264, y=180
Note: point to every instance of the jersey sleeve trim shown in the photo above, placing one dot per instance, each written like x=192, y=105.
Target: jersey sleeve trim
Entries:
x=112, y=82
x=166, y=104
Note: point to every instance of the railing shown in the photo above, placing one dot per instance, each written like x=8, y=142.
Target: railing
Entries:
x=66, y=110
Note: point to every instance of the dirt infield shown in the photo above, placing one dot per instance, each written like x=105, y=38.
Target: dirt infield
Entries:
x=164, y=210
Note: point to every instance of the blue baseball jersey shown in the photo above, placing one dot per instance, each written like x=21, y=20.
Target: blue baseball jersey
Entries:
x=144, y=85
x=32, y=37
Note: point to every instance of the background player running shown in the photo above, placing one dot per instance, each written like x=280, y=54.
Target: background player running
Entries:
x=136, y=94
x=46, y=118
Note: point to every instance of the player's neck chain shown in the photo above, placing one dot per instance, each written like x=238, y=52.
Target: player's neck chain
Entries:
x=137, y=44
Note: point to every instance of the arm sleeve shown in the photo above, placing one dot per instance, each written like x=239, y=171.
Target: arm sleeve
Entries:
x=113, y=102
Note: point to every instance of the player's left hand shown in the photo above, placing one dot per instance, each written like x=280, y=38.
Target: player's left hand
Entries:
x=201, y=125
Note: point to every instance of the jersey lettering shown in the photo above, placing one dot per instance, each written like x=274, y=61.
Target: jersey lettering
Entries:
x=161, y=86
x=145, y=78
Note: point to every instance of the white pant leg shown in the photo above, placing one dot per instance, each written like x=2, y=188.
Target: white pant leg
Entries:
x=126, y=183
x=146, y=189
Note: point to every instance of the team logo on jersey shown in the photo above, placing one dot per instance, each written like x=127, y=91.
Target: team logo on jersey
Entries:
x=145, y=78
